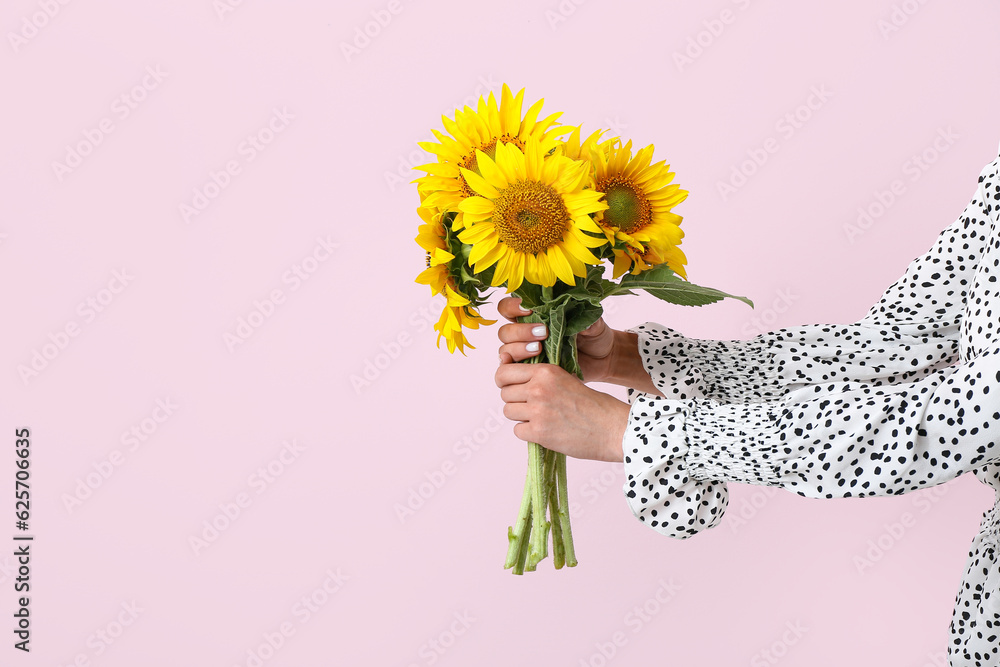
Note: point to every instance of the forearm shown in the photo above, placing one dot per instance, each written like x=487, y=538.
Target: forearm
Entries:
x=626, y=367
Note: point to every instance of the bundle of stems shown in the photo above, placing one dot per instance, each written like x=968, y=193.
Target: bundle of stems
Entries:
x=545, y=501
x=544, y=509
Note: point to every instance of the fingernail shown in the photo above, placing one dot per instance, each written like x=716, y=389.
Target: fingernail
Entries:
x=522, y=308
x=539, y=330
x=532, y=347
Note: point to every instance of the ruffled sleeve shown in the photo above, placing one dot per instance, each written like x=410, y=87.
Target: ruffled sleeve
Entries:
x=820, y=409
x=660, y=489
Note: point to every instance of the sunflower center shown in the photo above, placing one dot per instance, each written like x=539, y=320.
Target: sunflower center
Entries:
x=490, y=148
x=527, y=218
x=628, y=207
x=530, y=216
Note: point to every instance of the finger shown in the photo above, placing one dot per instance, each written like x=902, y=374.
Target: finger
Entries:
x=510, y=308
x=518, y=412
x=514, y=393
x=514, y=374
x=505, y=357
x=520, y=351
x=595, y=329
x=525, y=431
x=516, y=333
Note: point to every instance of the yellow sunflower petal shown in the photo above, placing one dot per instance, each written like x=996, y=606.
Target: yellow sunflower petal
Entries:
x=516, y=273
x=528, y=124
x=530, y=268
x=478, y=233
x=510, y=109
x=547, y=277
x=560, y=265
x=622, y=264
x=479, y=184
x=500, y=272
x=511, y=161
x=491, y=256
x=491, y=172
x=476, y=205
x=533, y=157
x=481, y=250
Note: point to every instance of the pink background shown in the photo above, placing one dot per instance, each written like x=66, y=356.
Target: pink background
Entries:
x=430, y=588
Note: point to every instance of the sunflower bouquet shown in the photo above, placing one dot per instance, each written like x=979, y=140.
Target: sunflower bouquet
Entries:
x=526, y=204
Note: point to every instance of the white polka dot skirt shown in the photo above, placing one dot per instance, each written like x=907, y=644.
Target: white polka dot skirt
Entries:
x=905, y=398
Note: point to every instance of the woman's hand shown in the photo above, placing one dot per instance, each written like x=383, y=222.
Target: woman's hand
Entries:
x=595, y=345
x=604, y=354
x=561, y=413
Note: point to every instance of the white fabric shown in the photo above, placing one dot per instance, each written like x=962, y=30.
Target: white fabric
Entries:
x=905, y=398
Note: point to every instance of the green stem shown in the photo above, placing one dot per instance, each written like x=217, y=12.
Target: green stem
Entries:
x=517, y=536
x=539, y=502
x=558, y=547
x=522, y=551
x=563, y=512
x=545, y=484
x=526, y=564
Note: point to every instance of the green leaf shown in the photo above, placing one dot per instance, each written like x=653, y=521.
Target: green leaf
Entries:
x=556, y=323
x=531, y=295
x=581, y=315
x=570, y=361
x=658, y=274
x=467, y=277
x=664, y=284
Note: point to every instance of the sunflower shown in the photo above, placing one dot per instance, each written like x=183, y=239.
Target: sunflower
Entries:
x=530, y=216
x=480, y=130
x=639, y=222
x=457, y=312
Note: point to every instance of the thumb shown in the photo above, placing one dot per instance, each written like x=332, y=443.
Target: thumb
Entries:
x=595, y=328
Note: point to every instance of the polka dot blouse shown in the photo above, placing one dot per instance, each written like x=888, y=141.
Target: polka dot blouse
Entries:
x=906, y=398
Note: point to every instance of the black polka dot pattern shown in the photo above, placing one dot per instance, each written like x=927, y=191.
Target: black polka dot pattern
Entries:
x=905, y=398
x=975, y=621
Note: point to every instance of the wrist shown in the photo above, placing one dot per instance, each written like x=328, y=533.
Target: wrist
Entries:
x=614, y=450
x=626, y=367
x=618, y=359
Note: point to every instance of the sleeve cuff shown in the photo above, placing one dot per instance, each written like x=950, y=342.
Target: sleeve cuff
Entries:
x=659, y=487
x=735, y=442
x=727, y=371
